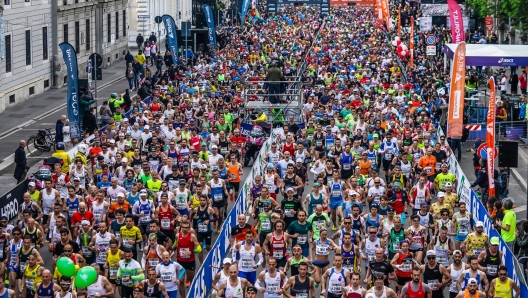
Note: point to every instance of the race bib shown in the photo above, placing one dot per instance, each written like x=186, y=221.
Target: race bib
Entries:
x=153, y=262
x=246, y=263
x=477, y=251
x=145, y=219
x=70, y=213
x=166, y=276
x=30, y=284
x=463, y=231
x=278, y=254
x=102, y=256
x=218, y=197
x=428, y=170
x=112, y=271
x=432, y=284
x=405, y=267
x=301, y=239
x=301, y=295
x=183, y=252
x=371, y=257
x=125, y=280
x=396, y=245
x=202, y=227
x=346, y=167
x=233, y=177
x=442, y=260
x=272, y=288
x=336, y=288
x=117, y=235
x=126, y=242
x=319, y=143
x=266, y=225
x=275, y=159
x=491, y=270
x=322, y=249
x=86, y=252
x=288, y=213
x=22, y=266
x=418, y=201
x=165, y=223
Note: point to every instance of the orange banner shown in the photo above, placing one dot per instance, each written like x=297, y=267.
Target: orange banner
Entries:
x=385, y=11
x=399, y=22
x=490, y=137
x=457, y=93
x=411, y=43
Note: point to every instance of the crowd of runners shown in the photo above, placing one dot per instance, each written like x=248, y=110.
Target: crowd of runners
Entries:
x=357, y=203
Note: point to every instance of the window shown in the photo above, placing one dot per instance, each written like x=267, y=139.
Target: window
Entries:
x=44, y=43
x=88, y=47
x=109, y=27
x=28, y=47
x=77, y=38
x=12, y=98
x=117, y=25
x=8, y=53
x=46, y=83
x=31, y=90
x=7, y=2
x=65, y=33
x=124, y=23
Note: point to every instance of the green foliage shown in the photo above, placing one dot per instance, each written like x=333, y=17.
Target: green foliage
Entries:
x=516, y=10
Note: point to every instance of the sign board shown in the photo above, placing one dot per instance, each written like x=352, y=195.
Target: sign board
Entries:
x=158, y=20
x=482, y=151
x=271, y=6
x=186, y=29
x=325, y=8
x=98, y=60
x=430, y=50
x=431, y=40
x=143, y=16
x=489, y=23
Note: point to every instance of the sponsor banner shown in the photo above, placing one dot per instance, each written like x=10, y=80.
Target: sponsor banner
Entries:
x=245, y=7
x=455, y=19
x=10, y=202
x=457, y=93
x=490, y=137
x=353, y=2
x=246, y=128
x=170, y=28
x=479, y=213
x=411, y=43
x=211, y=33
x=201, y=285
x=72, y=98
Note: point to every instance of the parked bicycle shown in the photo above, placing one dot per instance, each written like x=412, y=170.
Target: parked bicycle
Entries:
x=43, y=141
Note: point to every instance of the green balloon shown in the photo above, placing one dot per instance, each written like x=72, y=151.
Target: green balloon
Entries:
x=66, y=266
x=85, y=277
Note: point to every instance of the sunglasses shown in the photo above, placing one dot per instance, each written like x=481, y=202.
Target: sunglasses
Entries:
x=431, y=257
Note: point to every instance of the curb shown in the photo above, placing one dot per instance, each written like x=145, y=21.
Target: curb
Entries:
x=520, y=179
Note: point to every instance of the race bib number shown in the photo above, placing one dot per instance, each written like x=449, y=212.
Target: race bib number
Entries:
x=336, y=288
x=405, y=267
x=443, y=260
x=126, y=242
x=165, y=223
x=246, y=263
x=117, y=235
x=183, y=252
x=432, y=284
x=22, y=266
x=463, y=231
x=275, y=159
x=102, y=256
x=202, y=227
x=30, y=283
x=288, y=213
x=153, y=262
x=301, y=295
x=319, y=143
x=233, y=177
x=428, y=170
x=491, y=270
x=477, y=251
x=218, y=197
x=70, y=213
x=418, y=201
x=112, y=271
x=346, y=167
x=371, y=257
x=86, y=252
x=322, y=249
x=166, y=276
x=278, y=254
x=301, y=239
x=272, y=288
x=266, y=225
x=145, y=219
x=396, y=245
x=125, y=280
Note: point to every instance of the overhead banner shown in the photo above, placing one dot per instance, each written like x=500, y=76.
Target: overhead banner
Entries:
x=457, y=93
x=170, y=28
x=457, y=23
x=353, y=2
x=72, y=98
x=490, y=137
x=211, y=33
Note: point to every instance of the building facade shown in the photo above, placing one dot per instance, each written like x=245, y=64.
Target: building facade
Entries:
x=90, y=27
x=26, y=57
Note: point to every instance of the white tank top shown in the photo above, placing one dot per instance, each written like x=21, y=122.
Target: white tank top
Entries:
x=68, y=295
x=106, y=156
x=455, y=274
x=361, y=126
x=406, y=168
x=102, y=242
x=96, y=288
x=273, y=284
x=336, y=282
x=81, y=175
x=384, y=295
x=98, y=210
x=48, y=200
x=222, y=278
x=269, y=181
x=214, y=139
x=55, y=235
x=370, y=249
x=358, y=292
x=52, y=223
x=235, y=292
x=300, y=155
x=420, y=196
x=342, y=138
x=441, y=251
x=121, y=174
x=247, y=258
x=181, y=199
x=274, y=157
x=195, y=164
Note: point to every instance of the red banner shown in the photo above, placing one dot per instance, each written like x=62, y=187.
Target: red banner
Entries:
x=411, y=43
x=457, y=93
x=489, y=23
x=490, y=137
x=457, y=23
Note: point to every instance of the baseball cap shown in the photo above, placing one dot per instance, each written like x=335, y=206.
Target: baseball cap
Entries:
x=397, y=183
x=214, y=146
x=203, y=167
x=431, y=253
x=31, y=183
x=85, y=222
x=174, y=167
x=457, y=252
x=423, y=204
x=448, y=184
x=299, y=160
x=185, y=164
x=390, y=209
x=124, y=159
x=472, y=281
x=121, y=195
x=494, y=241
x=375, y=135
x=440, y=195
x=76, y=179
x=352, y=193
x=143, y=192
x=316, y=184
x=289, y=189
x=479, y=224
x=227, y=261
x=147, y=127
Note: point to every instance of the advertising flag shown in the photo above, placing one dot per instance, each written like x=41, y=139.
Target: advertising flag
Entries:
x=385, y=12
x=245, y=7
x=456, y=20
x=211, y=33
x=457, y=93
x=399, y=22
x=411, y=43
x=170, y=28
x=490, y=137
x=72, y=99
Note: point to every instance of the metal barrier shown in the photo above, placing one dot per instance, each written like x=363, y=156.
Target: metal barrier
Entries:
x=505, y=130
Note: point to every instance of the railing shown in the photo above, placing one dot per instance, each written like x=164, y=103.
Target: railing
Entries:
x=505, y=130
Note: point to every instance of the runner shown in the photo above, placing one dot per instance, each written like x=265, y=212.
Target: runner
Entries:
x=234, y=286
x=129, y=273
x=245, y=252
x=471, y=291
x=380, y=290
x=337, y=276
x=416, y=288
x=101, y=287
x=435, y=275
x=491, y=259
x=276, y=244
x=170, y=274
x=273, y=280
x=186, y=246
x=455, y=270
x=319, y=254
x=153, y=288
x=503, y=286
x=202, y=217
x=300, y=284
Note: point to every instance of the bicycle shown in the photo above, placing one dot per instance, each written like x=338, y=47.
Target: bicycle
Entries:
x=43, y=141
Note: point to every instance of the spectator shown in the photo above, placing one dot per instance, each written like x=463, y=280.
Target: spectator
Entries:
x=130, y=74
x=514, y=81
x=129, y=58
x=141, y=58
x=522, y=242
x=153, y=38
x=62, y=154
x=85, y=100
x=66, y=135
x=128, y=102
x=139, y=41
x=168, y=59
x=503, y=83
x=523, y=80
x=274, y=78
x=20, y=162
x=105, y=113
x=482, y=181
x=138, y=67
x=59, y=137
x=89, y=122
x=508, y=224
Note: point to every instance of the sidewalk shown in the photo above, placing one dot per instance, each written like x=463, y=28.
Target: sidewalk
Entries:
x=517, y=183
x=42, y=111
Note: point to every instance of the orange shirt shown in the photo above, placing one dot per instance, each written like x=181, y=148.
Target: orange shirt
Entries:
x=115, y=205
x=428, y=164
x=234, y=175
x=364, y=167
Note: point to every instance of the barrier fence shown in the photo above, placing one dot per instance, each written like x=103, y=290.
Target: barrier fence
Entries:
x=201, y=286
x=505, y=130
x=479, y=213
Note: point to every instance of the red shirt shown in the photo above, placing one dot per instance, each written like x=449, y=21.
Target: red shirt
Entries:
x=239, y=140
x=77, y=217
